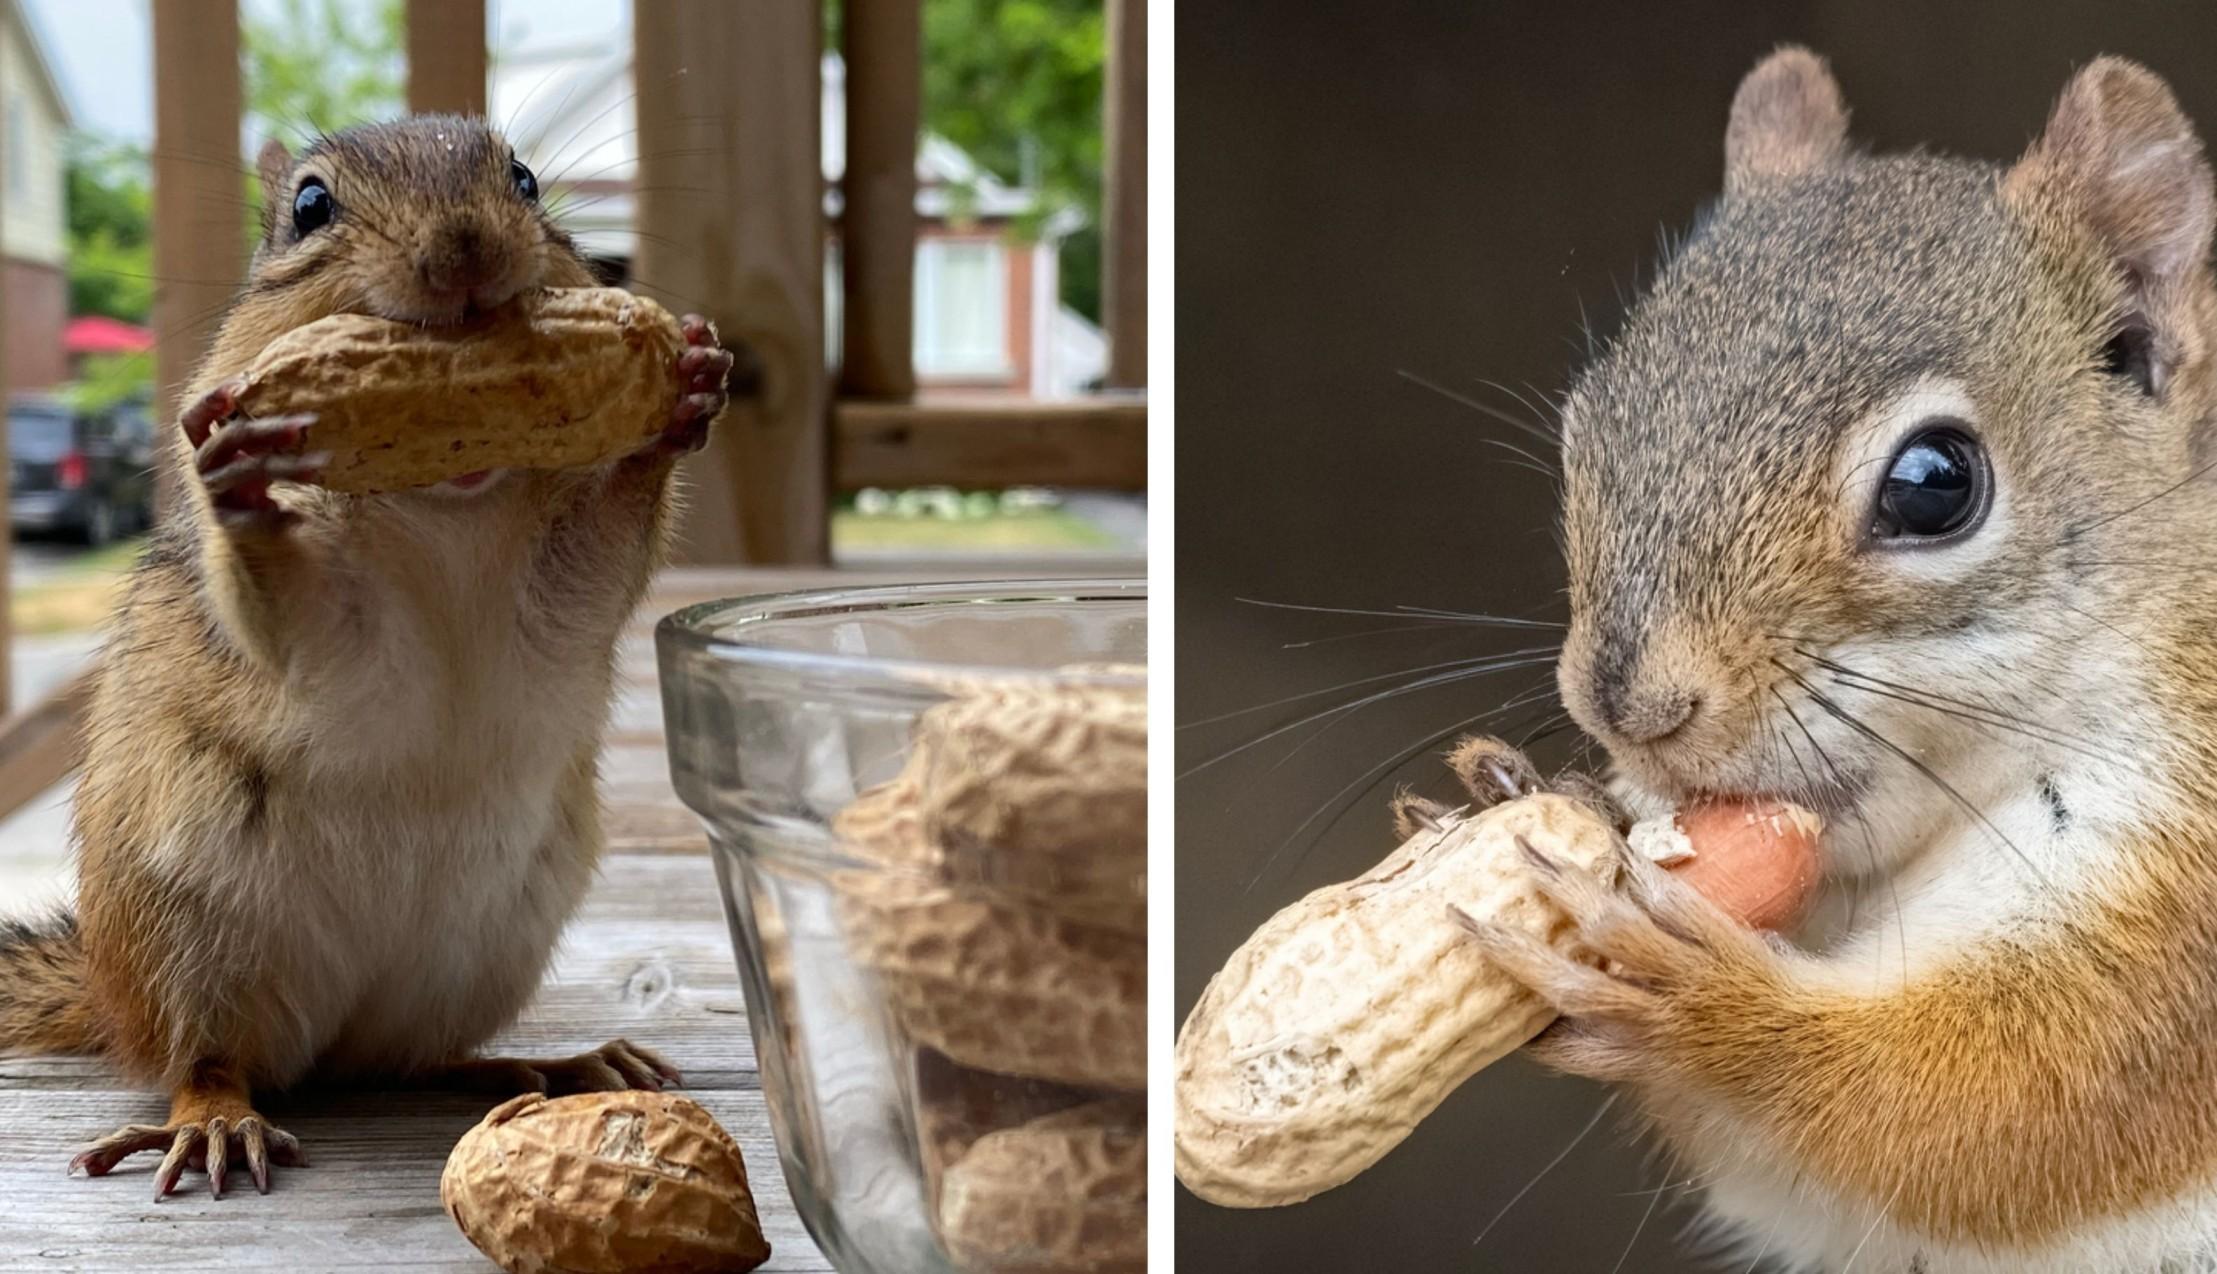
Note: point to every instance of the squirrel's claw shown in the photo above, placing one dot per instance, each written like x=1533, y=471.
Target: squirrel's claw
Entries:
x=1649, y=967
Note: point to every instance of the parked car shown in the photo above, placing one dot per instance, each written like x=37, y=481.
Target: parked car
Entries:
x=85, y=474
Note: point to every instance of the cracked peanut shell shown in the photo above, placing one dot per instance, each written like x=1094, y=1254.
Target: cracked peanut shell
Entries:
x=604, y=1183
x=563, y=378
x=1348, y=1016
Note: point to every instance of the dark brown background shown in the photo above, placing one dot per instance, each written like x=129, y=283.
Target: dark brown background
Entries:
x=1367, y=188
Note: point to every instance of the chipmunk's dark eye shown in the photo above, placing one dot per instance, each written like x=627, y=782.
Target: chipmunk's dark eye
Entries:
x=1935, y=487
x=527, y=182
x=313, y=206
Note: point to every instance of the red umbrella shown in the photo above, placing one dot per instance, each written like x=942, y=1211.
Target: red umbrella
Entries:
x=98, y=334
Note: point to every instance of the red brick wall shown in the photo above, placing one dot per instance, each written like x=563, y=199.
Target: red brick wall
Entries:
x=38, y=309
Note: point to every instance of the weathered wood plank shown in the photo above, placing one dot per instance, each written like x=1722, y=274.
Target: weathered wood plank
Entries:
x=884, y=45
x=731, y=225
x=991, y=444
x=199, y=231
x=1124, y=248
x=446, y=56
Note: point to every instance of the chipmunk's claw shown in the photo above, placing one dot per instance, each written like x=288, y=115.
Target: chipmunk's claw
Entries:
x=703, y=370
x=200, y=1146
x=613, y=1067
x=238, y=459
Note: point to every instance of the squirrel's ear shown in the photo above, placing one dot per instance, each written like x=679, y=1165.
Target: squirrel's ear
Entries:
x=272, y=166
x=1787, y=119
x=2120, y=152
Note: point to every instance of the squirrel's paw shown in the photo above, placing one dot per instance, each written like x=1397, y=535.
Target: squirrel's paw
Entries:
x=238, y=462
x=204, y=1144
x=703, y=371
x=613, y=1067
x=1674, y=972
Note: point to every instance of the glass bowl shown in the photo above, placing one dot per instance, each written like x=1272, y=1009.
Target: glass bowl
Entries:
x=926, y=805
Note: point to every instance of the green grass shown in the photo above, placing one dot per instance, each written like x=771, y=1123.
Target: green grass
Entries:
x=1042, y=530
x=76, y=599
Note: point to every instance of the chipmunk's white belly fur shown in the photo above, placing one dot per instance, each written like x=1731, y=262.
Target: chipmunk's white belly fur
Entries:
x=411, y=874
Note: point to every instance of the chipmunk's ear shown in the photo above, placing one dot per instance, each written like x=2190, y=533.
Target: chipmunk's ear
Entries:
x=2119, y=153
x=1787, y=119
x=274, y=166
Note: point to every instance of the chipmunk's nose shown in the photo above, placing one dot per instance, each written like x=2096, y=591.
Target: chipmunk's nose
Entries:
x=461, y=259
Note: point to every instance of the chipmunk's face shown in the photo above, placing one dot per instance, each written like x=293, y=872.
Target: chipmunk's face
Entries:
x=427, y=220
x=1837, y=497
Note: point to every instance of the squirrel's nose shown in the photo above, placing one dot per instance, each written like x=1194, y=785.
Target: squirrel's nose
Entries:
x=1645, y=713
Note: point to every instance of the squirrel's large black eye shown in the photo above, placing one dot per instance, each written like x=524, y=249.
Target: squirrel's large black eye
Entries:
x=313, y=206
x=1935, y=487
x=527, y=182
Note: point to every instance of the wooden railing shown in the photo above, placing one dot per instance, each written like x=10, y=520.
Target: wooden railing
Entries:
x=730, y=202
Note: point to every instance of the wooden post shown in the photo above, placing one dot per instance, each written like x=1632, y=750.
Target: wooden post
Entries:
x=1124, y=203
x=731, y=225
x=199, y=232
x=446, y=56
x=884, y=45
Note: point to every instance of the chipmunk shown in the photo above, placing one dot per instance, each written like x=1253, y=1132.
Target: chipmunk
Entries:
x=338, y=794
x=1894, y=498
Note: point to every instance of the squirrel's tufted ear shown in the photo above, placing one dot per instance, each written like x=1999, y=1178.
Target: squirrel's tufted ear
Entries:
x=2120, y=150
x=273, y=166
x=2119, y=153
x=1787, y=119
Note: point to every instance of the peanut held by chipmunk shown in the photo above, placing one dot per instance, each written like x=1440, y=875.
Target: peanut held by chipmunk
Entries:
x=338, y=794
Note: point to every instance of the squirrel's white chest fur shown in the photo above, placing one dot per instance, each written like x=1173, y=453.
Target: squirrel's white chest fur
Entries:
x=1758, y=1204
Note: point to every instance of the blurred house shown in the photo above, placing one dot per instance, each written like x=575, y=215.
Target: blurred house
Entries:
x=34, y=239
x=987, y=318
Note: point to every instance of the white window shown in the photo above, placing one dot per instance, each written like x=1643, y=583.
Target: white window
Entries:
x=961, y=308
x=18, y=148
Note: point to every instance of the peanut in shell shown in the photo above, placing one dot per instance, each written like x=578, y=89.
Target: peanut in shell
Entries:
x=562, y=378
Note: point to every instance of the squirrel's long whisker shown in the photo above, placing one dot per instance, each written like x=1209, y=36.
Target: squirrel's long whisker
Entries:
x=1856, y=724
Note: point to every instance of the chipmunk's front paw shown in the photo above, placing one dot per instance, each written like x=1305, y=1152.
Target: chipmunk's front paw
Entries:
x=702, y=371
x=1671, y=967
x=237, y=459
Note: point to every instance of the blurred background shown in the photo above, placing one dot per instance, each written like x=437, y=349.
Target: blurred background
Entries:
x=1395, y=223
x=959, y=402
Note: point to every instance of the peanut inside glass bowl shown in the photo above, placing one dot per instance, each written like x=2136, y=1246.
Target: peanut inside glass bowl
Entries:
x=927, y=808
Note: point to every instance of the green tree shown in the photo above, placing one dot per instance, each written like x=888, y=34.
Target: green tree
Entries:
x=317, y=66
x=1017, y=85
x=111, y=246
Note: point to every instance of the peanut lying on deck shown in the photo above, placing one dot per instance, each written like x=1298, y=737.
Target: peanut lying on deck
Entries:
x=565, y=378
